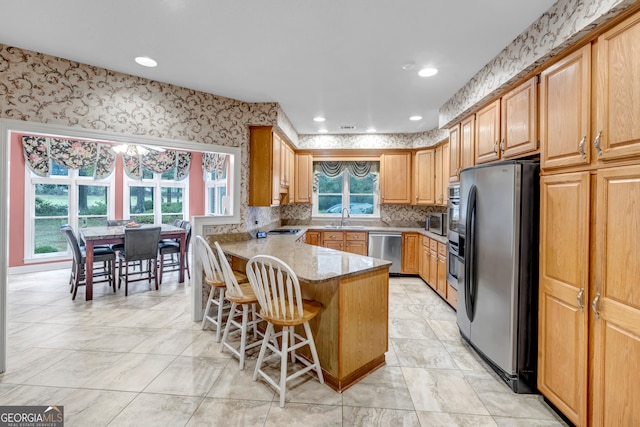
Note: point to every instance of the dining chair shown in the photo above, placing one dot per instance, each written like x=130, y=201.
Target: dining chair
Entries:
x=206, y=260
x=100, y=254
x=277, y=289
x=172, y=247
x=243, y=304
x=140, y=244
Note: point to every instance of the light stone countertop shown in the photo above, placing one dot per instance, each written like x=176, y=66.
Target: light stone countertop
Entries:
x=312, y=264
x=421, y=230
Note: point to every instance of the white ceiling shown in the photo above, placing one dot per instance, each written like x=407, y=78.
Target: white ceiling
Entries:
x=339, y=59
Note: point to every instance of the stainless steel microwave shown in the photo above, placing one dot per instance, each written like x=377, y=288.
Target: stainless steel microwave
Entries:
x=436, y=223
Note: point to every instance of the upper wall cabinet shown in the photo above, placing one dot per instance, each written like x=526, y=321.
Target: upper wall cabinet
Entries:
x=618, y=91
x=395, y=178
x=303, y=178
x=424, y=177
x=467, y=143
x=488, y=133
x=565, y=102
x=508, y=127
x=519, y=117
x=454, y=153
x=442, y=173
x=265, y=147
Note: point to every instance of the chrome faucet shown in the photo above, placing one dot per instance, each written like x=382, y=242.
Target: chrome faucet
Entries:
x=342, y=219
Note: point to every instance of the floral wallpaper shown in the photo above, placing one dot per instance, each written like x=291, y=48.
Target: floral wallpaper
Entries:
x=367, y=141
x=45, y=89
x=562, y=25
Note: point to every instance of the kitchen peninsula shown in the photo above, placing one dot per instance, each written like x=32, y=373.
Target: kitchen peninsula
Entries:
x=351, y=332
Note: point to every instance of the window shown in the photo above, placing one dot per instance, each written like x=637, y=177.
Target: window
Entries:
x=338, y=186
x=156, y=199
x=68, y=196
x=216, y=192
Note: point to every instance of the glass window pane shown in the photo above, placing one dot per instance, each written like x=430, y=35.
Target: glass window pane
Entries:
x=330, y=204
x=47, y=238
x=363, y=185
x=88, y=171
x=329, y=185
x=171, y=200
x=211, y=193
x=141, y=204
x=92, y=205
x=58, y=170
x=52, y=200
x=169, y=175
x=361, y=205
x=146, y=173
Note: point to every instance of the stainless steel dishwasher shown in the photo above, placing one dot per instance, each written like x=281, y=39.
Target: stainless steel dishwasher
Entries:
x=388, y=246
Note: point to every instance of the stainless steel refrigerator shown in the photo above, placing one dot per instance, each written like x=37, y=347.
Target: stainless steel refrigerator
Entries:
x=498, y=275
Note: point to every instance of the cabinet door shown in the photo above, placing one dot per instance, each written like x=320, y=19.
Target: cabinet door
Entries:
x=313, y=238
x=395, y=178
x=519, y=119
x=264, y=181
x=410, y=251
x=425, y=177
x=488, y=133
x=277, y=165
x=618, y=91
x=616, y=299
x=424, y=259
x=357, y=247
x=334, y=244
x=565, y=104
x=303, y=178
x=564, y=293
x=441, y=275
x=433, y=269
x=454, y=154
x=442, y=172
x=467, y=142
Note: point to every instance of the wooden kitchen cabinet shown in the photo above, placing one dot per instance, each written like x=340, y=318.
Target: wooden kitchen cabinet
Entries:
x=425, y=259
x=424, y=181
x=618, y=135
x=357, y=242
x=467, y=143
x=454, y=153
x=314, y=238
x=565, y=109
x=441, y=272
x=442, y=174
x=615, y=299
x=433, y=264
x=395, y=178
x=333, y=240
x=488, y=133
x=519, y=120
x=286, y=154
x=564, y=292
x=410, y=253
x=265, y=158
x=303, y=178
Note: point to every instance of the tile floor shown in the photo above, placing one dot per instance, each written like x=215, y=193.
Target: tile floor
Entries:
x=140, y=360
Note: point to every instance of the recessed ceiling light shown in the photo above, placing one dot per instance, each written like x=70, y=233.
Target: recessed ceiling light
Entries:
x=415, y=118
x=323, y=131
x=319, y=119
x=145, y=61
x=428, y=72
x=371, y=130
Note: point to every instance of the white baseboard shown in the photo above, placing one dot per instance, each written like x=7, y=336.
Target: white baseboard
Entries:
x=34, y=268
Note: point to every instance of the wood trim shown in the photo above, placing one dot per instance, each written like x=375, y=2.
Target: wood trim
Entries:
x=341, y=384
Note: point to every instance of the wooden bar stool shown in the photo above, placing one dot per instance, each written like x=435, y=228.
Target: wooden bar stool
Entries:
x=278, y=291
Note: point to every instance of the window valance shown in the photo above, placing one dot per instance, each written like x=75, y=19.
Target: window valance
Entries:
x=358, y=170
x=39, y=152
x=214, y=162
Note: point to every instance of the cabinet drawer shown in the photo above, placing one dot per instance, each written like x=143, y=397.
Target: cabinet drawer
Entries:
x=333, y=235
x=426, y=242
x=442, y=249
x=433, y=245
x=358, y=235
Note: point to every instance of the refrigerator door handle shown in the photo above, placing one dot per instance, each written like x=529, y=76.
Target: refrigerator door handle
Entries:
x=469, y=270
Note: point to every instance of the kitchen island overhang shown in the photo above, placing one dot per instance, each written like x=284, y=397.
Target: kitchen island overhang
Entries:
x=351, y=331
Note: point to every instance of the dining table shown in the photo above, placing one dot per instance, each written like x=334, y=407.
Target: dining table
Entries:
x=107, y=235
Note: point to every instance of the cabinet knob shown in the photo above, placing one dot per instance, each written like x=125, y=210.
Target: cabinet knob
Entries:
x=581, y=147
x=596, y=143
